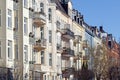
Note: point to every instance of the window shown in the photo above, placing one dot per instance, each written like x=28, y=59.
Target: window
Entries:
x=50, y=59
x=42, y=32
x=25, y=3
x=9, y=18
x=0, y=17
x=0, y=49
x=25, y=53
x=50, y=14
x=16, y=23
x=50, y=36
x=42, y=7
x=16, y=52
x=58, y=24
x=9, y=49
x=33, y=4
x=42, y=57
x=25, y=25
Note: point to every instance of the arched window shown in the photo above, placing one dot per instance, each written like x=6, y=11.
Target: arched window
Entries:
x=41, y=7
x=49, y=14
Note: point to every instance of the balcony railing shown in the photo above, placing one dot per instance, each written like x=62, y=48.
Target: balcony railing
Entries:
x=78, y=38
x=39, y=18
x=67, y=33
x=67, y=52
x=35, y=67
x=40, y=44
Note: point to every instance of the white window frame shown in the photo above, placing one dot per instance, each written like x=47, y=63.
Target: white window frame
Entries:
x=25, y=3
x=9, y=49
x=25, y=53
x=42, y=32
x=25, y=25
x=50, y=14
x=33, y=4
x=0, y=49
x=9, y=18
x=42, y=57
x=50, y=59
x=42, y=7
x=50, y=36
x=0, y=18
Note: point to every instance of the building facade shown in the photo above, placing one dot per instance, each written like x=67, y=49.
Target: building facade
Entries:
x=46, y=40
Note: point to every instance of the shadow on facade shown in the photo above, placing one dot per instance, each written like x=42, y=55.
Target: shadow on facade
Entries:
x=6, y=74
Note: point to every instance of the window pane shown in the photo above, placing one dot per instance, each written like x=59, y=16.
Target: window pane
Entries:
x=42, y=7
x=25, y=3
x=9, y=18
x=26, y=53
x=9, y=49
x=42, y=57
x=50, y=59
x=0, y=18
x=0, y=49
x=50, y=14
x=50, y=36
x=25, y=25
x=16, y=51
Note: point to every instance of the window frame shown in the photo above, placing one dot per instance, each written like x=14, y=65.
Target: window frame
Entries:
x=25, y=3
x=42, y=7
x=25, y=25
x=0, y=17
x=50, y=14
x=42, y=57
x=16, y=52
x=50, y=36
x=33, y=4
x=9, y=19
x=9, y=47
x=25, y=53
x=0, y=49
x=50, y=59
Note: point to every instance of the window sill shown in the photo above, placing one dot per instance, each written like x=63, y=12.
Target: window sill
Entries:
x=9, y=59
x=26, y=62
x=26, y=34
x=10, y=28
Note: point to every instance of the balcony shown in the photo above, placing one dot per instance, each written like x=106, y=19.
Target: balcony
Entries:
x=68, y=34
x=40, y=44
x=67, y=52
x=35, y=67
x=67, y=71
x=39, y=18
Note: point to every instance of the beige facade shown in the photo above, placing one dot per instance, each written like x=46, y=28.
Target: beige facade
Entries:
x=39, y=40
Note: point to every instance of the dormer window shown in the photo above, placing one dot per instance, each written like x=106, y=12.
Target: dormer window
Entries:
x=42, y=7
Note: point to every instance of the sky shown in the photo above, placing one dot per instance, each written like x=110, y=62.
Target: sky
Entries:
x=104, y=13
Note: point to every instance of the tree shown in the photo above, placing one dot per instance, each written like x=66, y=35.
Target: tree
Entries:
x=101, y=62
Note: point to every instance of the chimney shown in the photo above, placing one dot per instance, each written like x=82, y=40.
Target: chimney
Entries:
x=101, y=28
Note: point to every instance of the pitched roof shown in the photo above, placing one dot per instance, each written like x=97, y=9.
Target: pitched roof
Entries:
x=59, y=6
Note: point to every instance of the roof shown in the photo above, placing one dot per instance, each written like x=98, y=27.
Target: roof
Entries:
x=60, y=6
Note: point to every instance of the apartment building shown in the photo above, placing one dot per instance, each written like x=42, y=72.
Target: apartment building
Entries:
x=27, y=40
x=45, y=40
